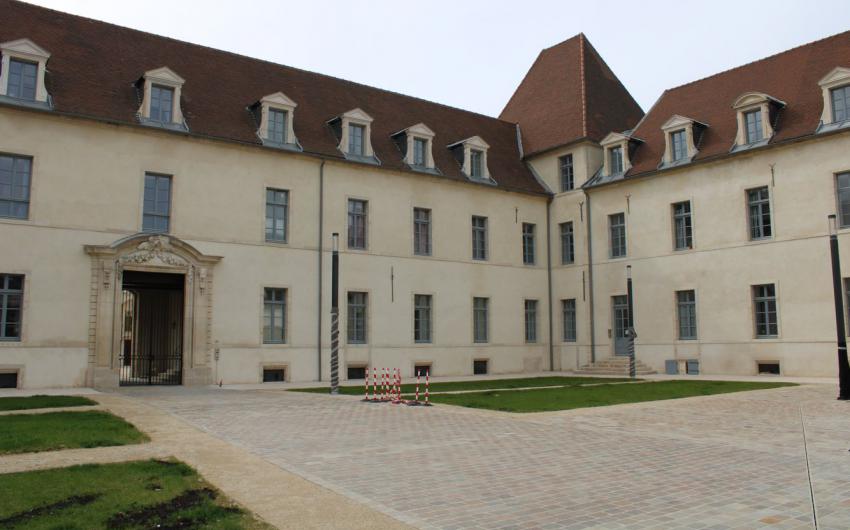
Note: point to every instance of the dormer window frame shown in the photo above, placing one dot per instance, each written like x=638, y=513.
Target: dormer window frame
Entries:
x=27, y=52
x=163, y=77
x=342, y=124
x=691, y=129
x=407, y=141
x=264, y=110
x=748, y=104
x=610, y=144
x=837, y=79
x=464, y=149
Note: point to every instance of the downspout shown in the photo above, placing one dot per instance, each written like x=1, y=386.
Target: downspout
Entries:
x=549, y=280
x=590, y=282
x=320, y=253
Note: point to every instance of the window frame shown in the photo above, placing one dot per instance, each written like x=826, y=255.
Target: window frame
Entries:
x=757, y=231
x=480, y=308
x=420, y=310
x=274, y=205
x=611, y=236
x=352, y=139
x=351, y=238
x=417, y=153
x=685, y=240
x=757, y=126
x=530, y=307
x=569, y=320
x=272, y=303
x=678, y=148
x=157, y=214
x=615, y=154
x=272, y=125
x=483, y=231
x=357, y=313
x=845, y=89
x=6, y=292
x=21, y=86
x=568, y=249
x=566, y=172
x=529, y=250
x=762, y=307
x=476, y=164
x=11, y=200
x=422, y=224
x=159, y=89
x=838, y=192
x=688, y=325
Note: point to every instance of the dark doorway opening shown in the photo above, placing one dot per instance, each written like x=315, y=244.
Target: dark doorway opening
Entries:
x=152, y=329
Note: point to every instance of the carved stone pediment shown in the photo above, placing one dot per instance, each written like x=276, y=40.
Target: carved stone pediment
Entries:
x=156, y=250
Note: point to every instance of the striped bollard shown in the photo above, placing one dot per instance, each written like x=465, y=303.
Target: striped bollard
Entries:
x=374, y=384
x=417, y=386
x=427, y=384
x=366, y=385
x=386, y=384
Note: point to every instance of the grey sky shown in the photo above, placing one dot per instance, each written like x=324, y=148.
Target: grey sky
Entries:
x=473, y=54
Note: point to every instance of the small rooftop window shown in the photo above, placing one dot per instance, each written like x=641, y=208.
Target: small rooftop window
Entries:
x=756, y=116
x=24, y=65
x=472, y=156
x=836, y=100
x=161, y=91
x=354, y=131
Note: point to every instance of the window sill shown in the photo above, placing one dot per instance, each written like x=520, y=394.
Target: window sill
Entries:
x=745, y=147
x=371, y=160
x=277, y=243
x=421, y=255
x=424, y=169
x=275, y=344
x=357, y=344
x=15, y=220
x=162, y=125
x=423, y=343
x=294, y=147
x=27, y=103
x=10, y=342
x=834, y=126
x=760, y=240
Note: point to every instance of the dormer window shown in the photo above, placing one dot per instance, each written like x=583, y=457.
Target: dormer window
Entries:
x=22, y=72
x=274, y=114
x=615, y=160
x=277, y=126
x=618, y=149
x=471, y=154
x=420, y=146
x=678, y=146
x=160, y=94
x=681, y=136
x=836, y=100
x=476, y=161
x=354, y=131
x=355, y=139
x=415, y=144
x=756, y=115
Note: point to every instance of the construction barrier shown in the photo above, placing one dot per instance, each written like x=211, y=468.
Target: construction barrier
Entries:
x=388, y=389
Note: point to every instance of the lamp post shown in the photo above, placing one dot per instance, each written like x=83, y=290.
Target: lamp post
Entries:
x=335, y=315
x=630, y=331
x=843, y=367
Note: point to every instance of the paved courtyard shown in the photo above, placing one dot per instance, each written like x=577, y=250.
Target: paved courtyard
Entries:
x=726, y=461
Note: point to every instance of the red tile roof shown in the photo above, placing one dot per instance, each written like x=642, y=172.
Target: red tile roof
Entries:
x=569, y=93
x=94, y=65
x=791, y=76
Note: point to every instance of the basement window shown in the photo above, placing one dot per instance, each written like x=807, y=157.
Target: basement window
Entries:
x=356, y=372
x=274, y=375
x=422, y=369
x=768, y=368
x=479, y=367
x=9, y=380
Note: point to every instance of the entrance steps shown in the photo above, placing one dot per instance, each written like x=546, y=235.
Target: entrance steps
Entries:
x=615, y=366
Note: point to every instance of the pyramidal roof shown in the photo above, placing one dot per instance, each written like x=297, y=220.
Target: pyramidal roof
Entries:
x=569, y=93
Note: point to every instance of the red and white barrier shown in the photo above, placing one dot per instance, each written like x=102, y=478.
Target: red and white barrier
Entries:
x=427, y=383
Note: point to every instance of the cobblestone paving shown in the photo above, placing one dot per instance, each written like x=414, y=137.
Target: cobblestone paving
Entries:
x=729, y=461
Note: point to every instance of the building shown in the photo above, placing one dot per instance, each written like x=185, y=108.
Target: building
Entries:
x=166, y=213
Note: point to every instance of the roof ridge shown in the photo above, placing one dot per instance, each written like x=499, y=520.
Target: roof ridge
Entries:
x=750, y=63
x=256, y=59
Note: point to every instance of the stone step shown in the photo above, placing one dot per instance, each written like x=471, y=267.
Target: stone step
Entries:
x=615, y=366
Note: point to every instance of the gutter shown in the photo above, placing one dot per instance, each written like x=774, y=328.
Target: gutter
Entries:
x=590, y=283
x=320, y=253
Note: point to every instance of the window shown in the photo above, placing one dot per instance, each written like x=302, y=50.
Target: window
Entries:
x=479, y=237
x=274, y=315
x=531, y=321
x=615, y=160
x=274, y=375
x=768, y=368
x=277, y=206
x=11, y=305
x=157, y=203
x=162, y=101
x=678, y=145
x=23, y=76
x=355, y=139
x=842, y=182
x=357, y=223
x=840, y=103
x=356, y=318
x=686, y=303
x=764, y=304
x=479, y=367
x=422, y=231
x=480, y=308
x=356, y=372
x=682, y=229
x=15, y=172
x=568, y=313
x=528, y=243
x=420, y=146
x=422, y=328
x=759, y=206
x=277, y=126
x=568, y=254
x=617, y=232
x=752, y=123
x=476, y=159
x=567, y=177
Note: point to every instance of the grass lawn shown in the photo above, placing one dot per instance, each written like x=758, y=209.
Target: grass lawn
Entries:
x=43, y=402
x=128, y=495
x=595, y=396
x=26, y=433
x=483, y=384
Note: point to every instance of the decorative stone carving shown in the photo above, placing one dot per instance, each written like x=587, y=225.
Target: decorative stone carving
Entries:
x=107, y=275
x=202, y=277
x=155, y=250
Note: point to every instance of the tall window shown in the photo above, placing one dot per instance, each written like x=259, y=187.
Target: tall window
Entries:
x=277, y=126
x=476, y=162
x=422, y=327
x=157, y=204
x=274, y=315
x=528, y=243
x=568, y=313
x=162, y=101
x=357, y=223
x=764, y=305
x=678, y=146
x=615, y=160
x=480, y=307
x=422, y=231
x=277, y=206
x=22, y=79
x=420, y=146
x=568, y=253
x=752, y=124
x=356, y=318
x=531, y=321
x=842, y=188
x=840, y=103
x=686, y=302
x=567, y=176
x=479, y=237
x=617, y=234
x=11, y=304
x=15, y=172
x=682, y=228
x=759, y=206
x=356, y=134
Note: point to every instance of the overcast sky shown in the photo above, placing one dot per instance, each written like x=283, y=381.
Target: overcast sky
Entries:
x=473, y=54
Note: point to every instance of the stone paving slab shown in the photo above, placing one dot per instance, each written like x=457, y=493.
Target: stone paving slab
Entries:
x=725, y=461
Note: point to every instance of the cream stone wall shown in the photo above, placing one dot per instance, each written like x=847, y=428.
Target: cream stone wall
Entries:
x=87, y=189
